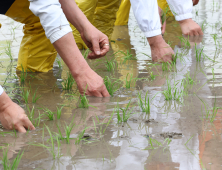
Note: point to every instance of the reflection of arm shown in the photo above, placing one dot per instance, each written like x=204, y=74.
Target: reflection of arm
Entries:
x=147, y=16
x=182, y=9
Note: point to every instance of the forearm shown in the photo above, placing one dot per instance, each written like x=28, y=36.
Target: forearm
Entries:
x=147, y=16
x=74, y=15
x=4, y=101
x=68, y=50
x=182, y=9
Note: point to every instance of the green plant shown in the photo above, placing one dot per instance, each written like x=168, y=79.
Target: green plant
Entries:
x=198, y=53
x=213, y=74
x=80, y=136
x=59, y=112
x=127, y=56
x=144, y=104
x=185, y=42
x=34, y=97
x=67, y=83
x=152, y=76
x=128, y=82
x=68, y=129
x=7, y=165
x=110, y=65
x=214, y=36
x=84, y=102
x=125, y=115
x=8, y=50
x=214, y=111
x=166, y=66
x=111, y=87
x=25, y=95
x=23, y=75
x=49, y=114
x=172, y=93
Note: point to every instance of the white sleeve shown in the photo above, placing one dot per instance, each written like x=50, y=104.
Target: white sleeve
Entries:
x=147, y=16
x=52, y=18
x=1, y=90
x=182, y=9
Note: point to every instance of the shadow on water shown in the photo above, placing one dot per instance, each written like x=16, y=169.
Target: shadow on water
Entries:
x=182, y=133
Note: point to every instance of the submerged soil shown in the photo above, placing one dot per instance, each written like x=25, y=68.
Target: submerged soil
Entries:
x=177, y=134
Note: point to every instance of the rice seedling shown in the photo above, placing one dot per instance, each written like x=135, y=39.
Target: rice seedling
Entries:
x=23, y=75
x=125, y=113
x=214, y=36
x=84, y=102
x=214, y=111
x=152, y=76
x=59, y=63
x=111, y=65
x=127, y=56
x=204, y=25
x=8, y=50
x=128, y=82
x=80, y=136
x=49, y=114
x=172, y=93
x=112, y=87
x=185, y=42
x=144, y=104
x=35, y=98
x=199, y=53
x=213, y=74
x=166, y=66
x=7, y=165
x=174, y=58
x=68, y=129
x=67, y=83
x=59, y=112
x=25, y=95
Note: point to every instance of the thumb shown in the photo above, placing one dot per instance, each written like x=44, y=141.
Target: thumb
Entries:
x=96, y=47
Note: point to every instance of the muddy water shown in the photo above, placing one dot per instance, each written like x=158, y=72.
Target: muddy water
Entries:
x=176, y=134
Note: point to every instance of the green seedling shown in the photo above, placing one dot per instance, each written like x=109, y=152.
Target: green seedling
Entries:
x=59, y=112
x=25, y=95
x=214, y=36
x=8, y=50
x=144, y=104
x=172, y=93
x=59, y=63
x=213, y=74
x=67, y=83
x=68, y=129
x=185, y=42
x=204, y=26
x=152, y=76
x=35, y=98
x=23, y=75
x=125, y=113
x=49, y=114
x=166, y=66
x=128, y=82
x=214, y=111
x=84, y=102
x=111, y=87
x=7, y=165
x=80, y=136
x=110, y=65
x=127, y=56
x=199, y=53
x=174, y=58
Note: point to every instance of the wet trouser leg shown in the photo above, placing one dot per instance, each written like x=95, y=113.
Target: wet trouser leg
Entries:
x=36, y=53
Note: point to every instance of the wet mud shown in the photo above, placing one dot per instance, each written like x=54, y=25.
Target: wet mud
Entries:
x=183, y=133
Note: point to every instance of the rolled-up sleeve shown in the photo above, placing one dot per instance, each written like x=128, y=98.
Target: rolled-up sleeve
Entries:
x=147, y=16
x=182, y=9
x=52, y=18
x=1, y=90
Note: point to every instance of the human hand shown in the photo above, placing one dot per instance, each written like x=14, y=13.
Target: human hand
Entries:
x=96, y=41
x=160, y=50
x=162, y=20
x=195, y=2
x=91, y=84
x=12, y=116
x=191, y=28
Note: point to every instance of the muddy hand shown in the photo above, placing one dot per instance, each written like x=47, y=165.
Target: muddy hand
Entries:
x=160, y=50
x=96, y=41
x=162, y=20
x=12, y=116
x=91, y=84
x=191, y=28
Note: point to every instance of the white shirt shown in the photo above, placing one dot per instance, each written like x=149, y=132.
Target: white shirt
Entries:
x=1, y=90
x=147, y=14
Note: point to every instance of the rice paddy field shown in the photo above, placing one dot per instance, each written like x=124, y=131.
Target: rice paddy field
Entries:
x=159, y=116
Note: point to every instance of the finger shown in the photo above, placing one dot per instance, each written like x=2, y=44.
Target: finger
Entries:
x=105, y=48
x=96, y=47
x=105, y=92
x=21, y=129
x=95, y=93
x=28, y=124
x=92, y=56
x=200, y=32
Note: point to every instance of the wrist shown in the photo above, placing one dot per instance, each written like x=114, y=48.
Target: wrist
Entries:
x=155, y=41
x=5, y=101
x=184, y=21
